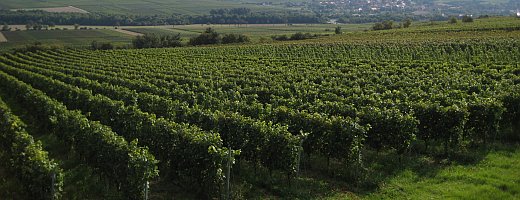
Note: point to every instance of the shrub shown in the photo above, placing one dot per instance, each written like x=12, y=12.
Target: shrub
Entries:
x=453, y=20
x=234, y=38
x=467, y=18
x=209, y=36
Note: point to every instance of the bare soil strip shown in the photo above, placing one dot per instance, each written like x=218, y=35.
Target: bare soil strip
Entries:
x=67, y=9
x=2, y=38
x=128, y=32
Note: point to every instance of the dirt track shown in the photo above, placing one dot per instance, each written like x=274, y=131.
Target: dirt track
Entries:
x=128, y=32
x=67, y=9
x=2, y=38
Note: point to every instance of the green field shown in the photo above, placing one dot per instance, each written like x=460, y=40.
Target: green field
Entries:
x=483, y=175
x=255, y=32
x=70, y=38
x=164, y=31
x=195, y=7
x=496, y=176
x=83, y=38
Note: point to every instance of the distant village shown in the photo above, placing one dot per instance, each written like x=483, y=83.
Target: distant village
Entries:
x=415, y=7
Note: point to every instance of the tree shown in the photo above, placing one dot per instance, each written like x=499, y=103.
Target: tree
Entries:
x=377, y=26
x=209, y=36
x=155, y=41
x=37, y=27
x=28, y=26
x=383, y=26
x=407, y=23
x=280, y=37
x=101, y=46
x=388, y=24
x=146, y=41
x=171, y=40
x=301, y=36
x=296, y=36
x=234, y=38
x=467, y=18
x=5, y=27
x=337, y=30
x=453, y=20
x=76, y=26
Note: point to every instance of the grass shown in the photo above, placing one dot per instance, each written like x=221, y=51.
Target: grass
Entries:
x=74, y=38
x=479, y=174
x=163, y=31
x=497, y=176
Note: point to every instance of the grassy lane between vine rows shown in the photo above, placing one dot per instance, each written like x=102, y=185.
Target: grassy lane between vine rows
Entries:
x=497, y=176
x=491, y=173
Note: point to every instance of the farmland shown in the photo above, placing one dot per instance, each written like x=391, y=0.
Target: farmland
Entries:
x=426, y=112
x=122, y=36
x=68, y=9
x=254, y=31
x=70, y=38
x=166, y=7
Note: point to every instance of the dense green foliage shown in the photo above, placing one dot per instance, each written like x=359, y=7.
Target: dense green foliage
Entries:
x=296, y=36
x=40, y=18
x=234, y=38
x=211, y=36
x=94, y=45
x=467, y=18
x=146, y=8
x=338, y=98
x=26, y=158
x=156, y=41
x=125, y=164
x=169, y=141
x=383, y=25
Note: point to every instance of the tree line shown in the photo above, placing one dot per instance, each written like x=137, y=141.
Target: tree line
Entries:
x=215, y=16
x=209, y=36
x=222, y=16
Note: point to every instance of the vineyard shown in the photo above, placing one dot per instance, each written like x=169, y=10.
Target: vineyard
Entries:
x=139, y=121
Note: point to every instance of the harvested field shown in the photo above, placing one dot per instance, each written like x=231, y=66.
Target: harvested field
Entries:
x=67, y=9
x=128, y=32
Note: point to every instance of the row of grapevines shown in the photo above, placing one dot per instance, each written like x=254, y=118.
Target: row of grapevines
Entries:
x=125, y=164
x=254, y=138
x=27, y=159
x=188, y=153
x=323, y=138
